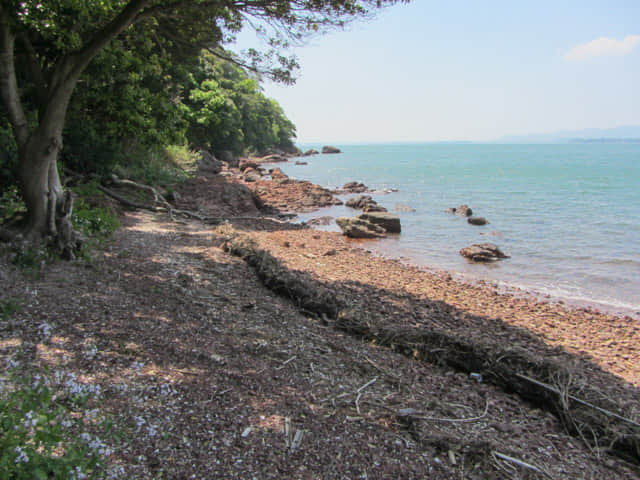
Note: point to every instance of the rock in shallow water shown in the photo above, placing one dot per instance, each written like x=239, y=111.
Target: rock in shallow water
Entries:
x=330, y=149
x=477, y=220
x=483, y=252
x=388, y=221
x=463, y=211
x=355, y=227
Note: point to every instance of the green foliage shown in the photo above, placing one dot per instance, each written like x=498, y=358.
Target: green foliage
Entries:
x=227, y=110
x=182, y=157
x=155, y=167
x=11, y=204
x=8, y=307
x=94, y=222
x=42, y=438
x=146, y=85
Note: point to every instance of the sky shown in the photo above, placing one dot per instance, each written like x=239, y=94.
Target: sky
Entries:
x=468, y=70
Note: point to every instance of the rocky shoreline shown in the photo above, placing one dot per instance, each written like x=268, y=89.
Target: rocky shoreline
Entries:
x=261, y=348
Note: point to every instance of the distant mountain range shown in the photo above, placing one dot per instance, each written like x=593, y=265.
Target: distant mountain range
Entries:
x=629, y=134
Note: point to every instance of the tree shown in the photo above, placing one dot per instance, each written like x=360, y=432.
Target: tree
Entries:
x=227, y=110
x=45, y=46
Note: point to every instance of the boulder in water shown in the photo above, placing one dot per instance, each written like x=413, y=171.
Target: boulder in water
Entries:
x=355, y=227
x=477, y=220
x=483, y=252
x=330, y=149
x=389, y=221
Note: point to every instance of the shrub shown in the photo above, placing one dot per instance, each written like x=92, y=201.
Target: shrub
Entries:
x=42, y=437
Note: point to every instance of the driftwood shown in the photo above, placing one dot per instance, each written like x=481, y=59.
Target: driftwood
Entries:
x=584, y=403
x=520, y=463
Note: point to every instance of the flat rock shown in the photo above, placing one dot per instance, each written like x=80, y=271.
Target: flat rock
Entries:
x=310, y=152
x=389, y=221
x=483, y=252
x=355, y=227
x=355, y=187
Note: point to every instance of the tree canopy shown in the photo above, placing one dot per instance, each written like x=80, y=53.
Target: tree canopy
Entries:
x=46, y=48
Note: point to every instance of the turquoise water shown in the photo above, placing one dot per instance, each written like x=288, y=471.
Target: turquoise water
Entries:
x=568, y=214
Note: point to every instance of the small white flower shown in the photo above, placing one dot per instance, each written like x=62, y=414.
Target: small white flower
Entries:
x=45, y=330
x=139, y=421
x=29, y=420
x=152, y=430
x=79, y=475
x=22, y=456
x=11, y=363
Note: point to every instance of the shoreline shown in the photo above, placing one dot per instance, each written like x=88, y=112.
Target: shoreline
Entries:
x=611, y=340
x=409, y=374
x=506, y=285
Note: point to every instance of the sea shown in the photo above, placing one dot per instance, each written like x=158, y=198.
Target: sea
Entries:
x=567, y=214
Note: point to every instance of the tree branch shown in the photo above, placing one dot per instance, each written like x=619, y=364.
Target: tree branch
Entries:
x=35, y=68
x=8, y=82
x=103, y=36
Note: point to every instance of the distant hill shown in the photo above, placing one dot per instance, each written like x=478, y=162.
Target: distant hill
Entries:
x=628, y=134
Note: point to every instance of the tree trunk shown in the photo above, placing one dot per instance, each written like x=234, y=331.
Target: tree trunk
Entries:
x=49, y=207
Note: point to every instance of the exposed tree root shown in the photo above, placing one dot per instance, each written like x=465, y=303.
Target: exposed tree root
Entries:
x=160, y=204
x=546, y=383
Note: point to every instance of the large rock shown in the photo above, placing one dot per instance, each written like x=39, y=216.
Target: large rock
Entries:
x=356, y=227
x=251, y=175
x=477, y=220
x=310, y=152
x=360, y=202
x=228, y=157
x=483, y=252
x=278, y=174
x=373, y=207
x=330, y=149
x=245, y=163
x=273, y=158
x=355, y=187
x=316, y=196
x=389, y=221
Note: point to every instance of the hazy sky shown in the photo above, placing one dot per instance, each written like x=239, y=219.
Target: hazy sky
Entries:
x=469, y=70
